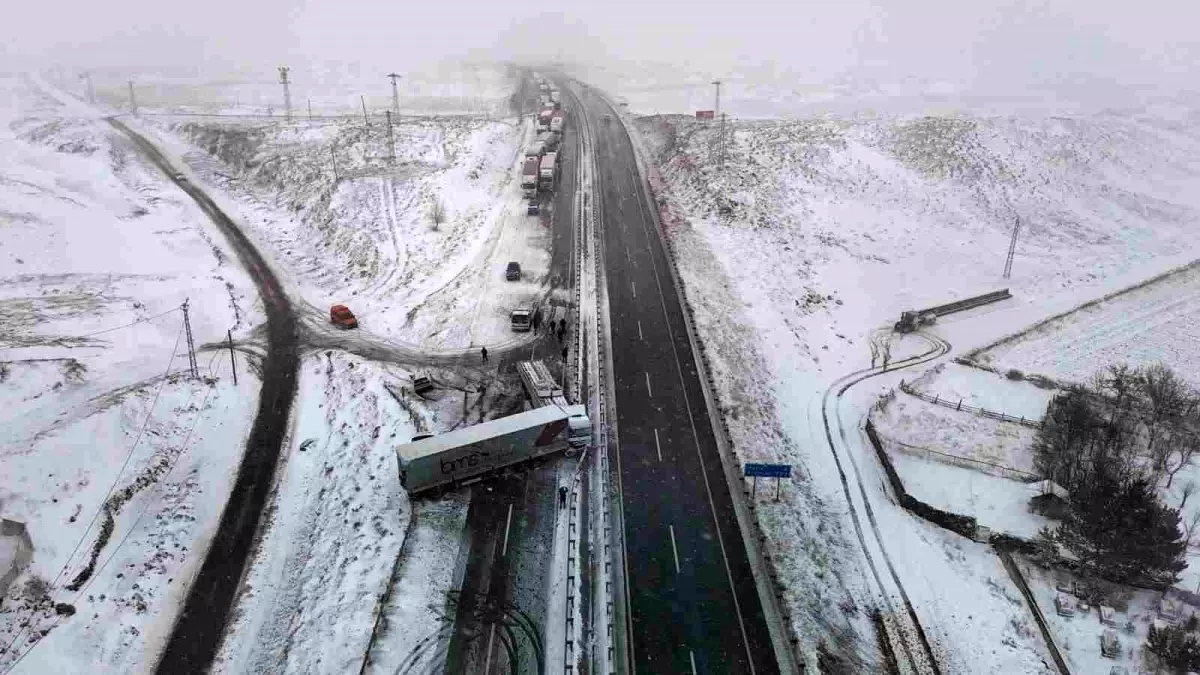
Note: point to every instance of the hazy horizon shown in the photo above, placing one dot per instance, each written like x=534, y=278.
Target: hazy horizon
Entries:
x=1106, y=53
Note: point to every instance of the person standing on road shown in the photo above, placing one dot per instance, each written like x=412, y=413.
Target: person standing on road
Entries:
x=537, y=320
x=483, y=353
x=562, y=497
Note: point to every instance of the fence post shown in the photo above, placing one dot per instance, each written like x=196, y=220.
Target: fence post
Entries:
x=959, y=404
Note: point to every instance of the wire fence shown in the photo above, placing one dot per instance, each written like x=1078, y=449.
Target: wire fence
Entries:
x=959, y=405
x=982, y=465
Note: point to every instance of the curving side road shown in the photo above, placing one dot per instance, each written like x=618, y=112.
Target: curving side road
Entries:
x=197, y=633
x=903, y=631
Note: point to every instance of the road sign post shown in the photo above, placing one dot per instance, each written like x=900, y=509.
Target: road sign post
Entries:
x=776, y=471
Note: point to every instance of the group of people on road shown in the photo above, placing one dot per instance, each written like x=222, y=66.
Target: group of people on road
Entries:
x=558, y=328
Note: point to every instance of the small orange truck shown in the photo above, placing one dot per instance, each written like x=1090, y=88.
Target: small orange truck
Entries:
x=340, y=315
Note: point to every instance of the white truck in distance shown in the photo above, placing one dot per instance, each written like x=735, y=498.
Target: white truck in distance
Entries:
x=556, y=122
x=529, y=177
x=473, y=452
x=548, y=172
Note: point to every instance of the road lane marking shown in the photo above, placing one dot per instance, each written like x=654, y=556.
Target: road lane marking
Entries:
x=692, y=656
x=634, y=287
x=656, y=445
x=640, y=336
x=737, y=605
x=674, y=550
x=507, y=523
x=487, y=664
x=648, y=389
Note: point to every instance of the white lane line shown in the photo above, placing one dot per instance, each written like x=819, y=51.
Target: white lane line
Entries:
x=634, y=287
x=507, y=523
x=673, y=549
x=640, y=336
x=692, y=656
x=737, y=605
x=656, y=445
x=648, y=389
x=487, y=663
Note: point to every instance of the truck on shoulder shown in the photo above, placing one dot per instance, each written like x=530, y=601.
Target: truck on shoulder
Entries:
x=529, y=177
x=540, y=386
x=547, y=172
x=472, y=453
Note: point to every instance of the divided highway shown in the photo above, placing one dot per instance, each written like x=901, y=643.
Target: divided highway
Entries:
x=693, y=606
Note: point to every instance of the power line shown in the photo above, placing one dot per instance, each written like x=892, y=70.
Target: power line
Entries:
x=132, y=528
x=116, y=479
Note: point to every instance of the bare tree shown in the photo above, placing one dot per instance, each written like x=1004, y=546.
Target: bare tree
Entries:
x=885, y=351
x=437, y=212
x=1188, y=490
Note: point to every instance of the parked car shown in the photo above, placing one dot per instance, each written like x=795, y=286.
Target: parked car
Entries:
x=534, y=209
x=340, y=315
x=513, y=271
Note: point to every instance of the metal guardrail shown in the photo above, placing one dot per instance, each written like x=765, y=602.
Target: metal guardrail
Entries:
x=591, y=351
x=983, y=412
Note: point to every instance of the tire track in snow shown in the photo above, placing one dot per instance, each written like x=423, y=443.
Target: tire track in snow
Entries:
x=920, y=659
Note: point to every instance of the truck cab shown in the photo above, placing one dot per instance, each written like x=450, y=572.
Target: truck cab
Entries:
x=579, y=431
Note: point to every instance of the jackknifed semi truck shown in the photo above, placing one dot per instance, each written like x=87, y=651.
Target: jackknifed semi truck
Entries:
x=472, y=453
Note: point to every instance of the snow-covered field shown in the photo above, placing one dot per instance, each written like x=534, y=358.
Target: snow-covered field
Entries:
x=1159, y=321
x=367, y=239
x=105, y=438
x=819, y=231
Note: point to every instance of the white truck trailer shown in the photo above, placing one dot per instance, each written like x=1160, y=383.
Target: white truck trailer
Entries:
x=540, y=386
x=474, y=452
x=556, y=122
x=548, y=172
x=529, y=177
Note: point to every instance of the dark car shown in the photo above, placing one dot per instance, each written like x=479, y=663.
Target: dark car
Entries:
x=534, y=209
x=513, y=271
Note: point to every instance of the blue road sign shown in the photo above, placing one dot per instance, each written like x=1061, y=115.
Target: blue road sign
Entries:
x=768, y=470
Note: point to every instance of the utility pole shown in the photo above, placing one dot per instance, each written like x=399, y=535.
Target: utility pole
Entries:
x=395, y=93
x=232, y=361
x=89, y=91
x=287, y=93
x=132, y=98
x=1012, y=248
x=362, y=99
x=187, y=328
x=310, y=110
x=391, y=139
x=333, y=155
x=717, y=105
x=721, y=161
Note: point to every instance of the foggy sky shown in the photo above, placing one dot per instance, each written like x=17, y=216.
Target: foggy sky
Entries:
x=956, y=44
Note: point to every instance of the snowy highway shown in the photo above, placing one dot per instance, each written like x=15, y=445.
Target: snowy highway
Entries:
x=693, y=605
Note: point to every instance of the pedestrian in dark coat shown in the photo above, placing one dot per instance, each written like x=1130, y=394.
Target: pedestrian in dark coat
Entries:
x=483, y=353
x=562, y=497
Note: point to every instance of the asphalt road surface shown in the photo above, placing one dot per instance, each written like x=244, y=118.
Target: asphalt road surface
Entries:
x=693, y=604
x=510, y=522
x=197, y=633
